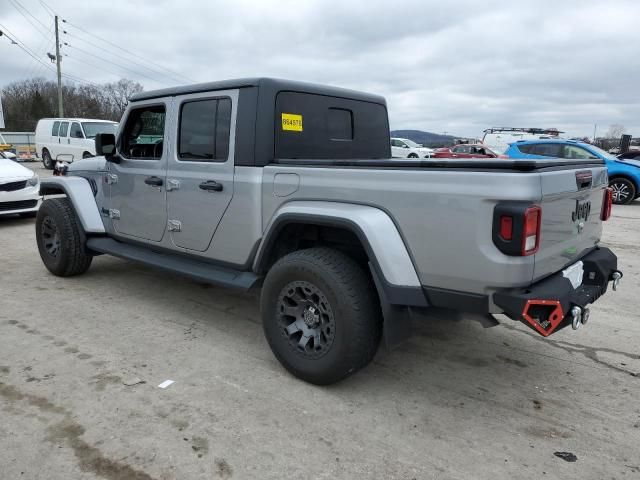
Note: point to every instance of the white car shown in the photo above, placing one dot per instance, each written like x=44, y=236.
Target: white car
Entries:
x=498, y=139
x=19, y=189
x=405, y=148
x=69, y=139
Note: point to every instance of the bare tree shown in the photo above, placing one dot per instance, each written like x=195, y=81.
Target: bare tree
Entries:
x=615, y=131
x=118, y=94
x=27, y=101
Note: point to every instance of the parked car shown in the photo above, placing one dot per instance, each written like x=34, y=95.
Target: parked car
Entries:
x=498, y=139
x=465, y=151
x=68, y=139
x=405, y=148
x=289, y=187
x=624, y=175
x=19, y=189
x=630, y=155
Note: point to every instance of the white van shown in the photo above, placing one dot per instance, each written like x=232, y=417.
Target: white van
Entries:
x=69, y=139
x=498, y=139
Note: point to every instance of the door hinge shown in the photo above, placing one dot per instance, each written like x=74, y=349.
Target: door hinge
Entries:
x=172, y=184
x=110, y=178
x=114, y=214
x=174, y=225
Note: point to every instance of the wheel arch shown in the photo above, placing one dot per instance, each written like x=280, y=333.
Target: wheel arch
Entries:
x=386, y=253
x=80, y=194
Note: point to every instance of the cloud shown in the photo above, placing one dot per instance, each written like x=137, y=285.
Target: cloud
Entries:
x=456, y=66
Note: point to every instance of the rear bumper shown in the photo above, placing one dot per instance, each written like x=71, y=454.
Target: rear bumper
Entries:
x=548, y=305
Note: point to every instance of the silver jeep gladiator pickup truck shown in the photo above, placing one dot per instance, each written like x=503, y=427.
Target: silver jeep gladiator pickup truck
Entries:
x=291, y=187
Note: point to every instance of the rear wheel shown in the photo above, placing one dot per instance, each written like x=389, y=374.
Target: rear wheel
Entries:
x=47, y=161
x=60, y=238
x=412, y=155
x=624, y=191
x=320, y=315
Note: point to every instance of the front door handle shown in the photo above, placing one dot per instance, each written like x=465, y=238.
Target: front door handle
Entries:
x=211, y=185
x=153, y=181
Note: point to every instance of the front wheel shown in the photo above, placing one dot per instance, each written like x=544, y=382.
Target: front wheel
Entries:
x=86, y=155
x=47, y=161
x=624, y=191
x=61, y=240
x=321, y=315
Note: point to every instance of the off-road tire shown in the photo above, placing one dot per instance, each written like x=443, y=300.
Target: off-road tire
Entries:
x=624, y=191
x=351, y=299
x=57, y=224
x=47, y=161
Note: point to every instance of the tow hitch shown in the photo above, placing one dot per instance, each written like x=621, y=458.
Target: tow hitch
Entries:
x=554, y=303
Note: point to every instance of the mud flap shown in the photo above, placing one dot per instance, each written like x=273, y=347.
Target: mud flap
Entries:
x=396, y=328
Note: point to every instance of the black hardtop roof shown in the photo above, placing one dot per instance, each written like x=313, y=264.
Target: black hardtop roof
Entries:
x=272, y=85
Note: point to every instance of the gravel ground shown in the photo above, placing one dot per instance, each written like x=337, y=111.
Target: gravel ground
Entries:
x=81, y=360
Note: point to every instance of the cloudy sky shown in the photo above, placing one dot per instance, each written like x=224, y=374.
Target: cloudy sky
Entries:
x=455, y=66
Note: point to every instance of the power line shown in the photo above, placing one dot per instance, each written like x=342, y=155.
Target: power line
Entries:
x=127, y=51
x=15, y=40
x=109, y=61
x=133, y=62
x=20, y=8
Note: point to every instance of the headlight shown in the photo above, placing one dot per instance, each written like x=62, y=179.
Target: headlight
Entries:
x=33, y=181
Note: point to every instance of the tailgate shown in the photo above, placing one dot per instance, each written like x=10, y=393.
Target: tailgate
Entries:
x=571, y=224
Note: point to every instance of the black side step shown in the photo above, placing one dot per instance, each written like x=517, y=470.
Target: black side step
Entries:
x=197, y=270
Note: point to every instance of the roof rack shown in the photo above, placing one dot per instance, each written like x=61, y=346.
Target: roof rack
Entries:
x=547, y=131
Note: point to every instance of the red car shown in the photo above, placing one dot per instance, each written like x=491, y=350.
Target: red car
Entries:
x=466, y=151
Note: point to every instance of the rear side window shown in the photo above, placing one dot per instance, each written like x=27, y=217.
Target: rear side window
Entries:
x=55, y=128
x=553, y=150
x=64, y=127
x=204, y=130
x=310, y=126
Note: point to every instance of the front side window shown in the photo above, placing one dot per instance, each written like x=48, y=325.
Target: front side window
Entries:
x=64, y=128
x=205, y=127
x=143, y=134
x=76, y=131
x=55, y=128
x=573, y=152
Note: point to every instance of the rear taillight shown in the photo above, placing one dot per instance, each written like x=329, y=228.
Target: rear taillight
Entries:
x=531, y=234
x=607, y=204
x=516, y=228
x=506, y=227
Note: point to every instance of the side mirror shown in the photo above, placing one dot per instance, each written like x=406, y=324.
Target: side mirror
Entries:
x=106, y=146
x=405, y=146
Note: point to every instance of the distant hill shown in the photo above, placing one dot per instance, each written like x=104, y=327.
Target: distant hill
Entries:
x=427, y=139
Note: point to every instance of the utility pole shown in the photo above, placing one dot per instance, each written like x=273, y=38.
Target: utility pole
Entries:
x=595, y=126
x=60, y=108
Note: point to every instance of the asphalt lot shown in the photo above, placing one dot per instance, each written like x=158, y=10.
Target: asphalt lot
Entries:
x=456, y=402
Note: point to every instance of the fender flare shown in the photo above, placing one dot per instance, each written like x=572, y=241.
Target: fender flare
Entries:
x=390, y=263
x=79, y=192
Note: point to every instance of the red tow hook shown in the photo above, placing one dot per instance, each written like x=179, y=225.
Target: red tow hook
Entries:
x=552, y=309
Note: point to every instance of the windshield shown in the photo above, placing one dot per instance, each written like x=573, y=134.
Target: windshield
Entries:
x=601, y=153
x=91, y=129
x=412, y=144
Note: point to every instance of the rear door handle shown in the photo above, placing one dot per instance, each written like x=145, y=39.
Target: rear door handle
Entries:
x=211, y=185
x=153, y=181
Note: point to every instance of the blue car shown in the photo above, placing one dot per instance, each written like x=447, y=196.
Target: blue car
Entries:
x=624, y=175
